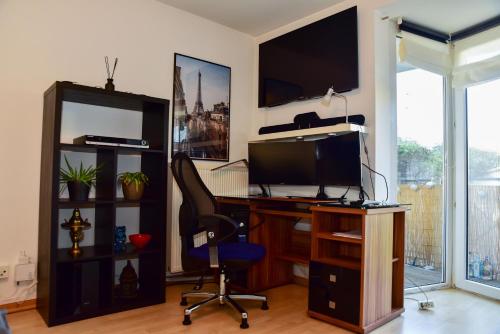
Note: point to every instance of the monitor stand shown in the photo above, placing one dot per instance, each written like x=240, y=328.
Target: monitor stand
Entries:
x=321, y=193
x=264, y=192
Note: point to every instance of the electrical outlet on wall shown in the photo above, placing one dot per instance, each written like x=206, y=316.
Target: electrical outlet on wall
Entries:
x=4, y=272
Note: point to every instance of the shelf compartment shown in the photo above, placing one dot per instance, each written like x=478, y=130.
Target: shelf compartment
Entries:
x=123, y=304
x=94, y=148
x=89, y=253
x=132, y=252
x=355, y=239
x=343, y=261
x=346, y=253
x=82, y=288
x=150, y=279
x=341, y=223
x=294, y=258
x=122, y=202
x=285, y=213
x=66, y=203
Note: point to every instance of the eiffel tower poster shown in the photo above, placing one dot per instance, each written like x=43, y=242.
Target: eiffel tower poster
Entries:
x=201, y=106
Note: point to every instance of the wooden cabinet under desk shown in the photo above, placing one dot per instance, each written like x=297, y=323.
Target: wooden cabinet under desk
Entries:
x=356, y=257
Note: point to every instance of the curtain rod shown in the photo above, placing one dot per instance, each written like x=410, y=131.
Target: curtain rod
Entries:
x=475, y=29
x=439, y=36
x=423, y=31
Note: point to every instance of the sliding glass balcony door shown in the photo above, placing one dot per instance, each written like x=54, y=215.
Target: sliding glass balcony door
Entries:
x=483, y=185
x=421, y=173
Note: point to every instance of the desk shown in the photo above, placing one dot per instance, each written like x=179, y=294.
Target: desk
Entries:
x=355, y=256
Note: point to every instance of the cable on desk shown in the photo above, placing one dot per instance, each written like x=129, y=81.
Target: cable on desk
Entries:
x=369, y=165
x=385, y=180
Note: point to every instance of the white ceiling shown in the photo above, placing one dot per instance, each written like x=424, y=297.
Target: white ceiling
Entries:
x=253, y=17
x=447, y=16
x=256, y=17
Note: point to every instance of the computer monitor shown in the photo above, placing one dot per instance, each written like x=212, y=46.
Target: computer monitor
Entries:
x=333, y=161
x=339, y=160
x=290, y=163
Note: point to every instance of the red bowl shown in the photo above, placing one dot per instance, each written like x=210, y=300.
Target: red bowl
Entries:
x=140, y=240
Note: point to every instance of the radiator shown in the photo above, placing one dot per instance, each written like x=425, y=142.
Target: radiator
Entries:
x=226, y=182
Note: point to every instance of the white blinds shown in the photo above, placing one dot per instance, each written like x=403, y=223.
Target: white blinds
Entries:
x=424, y=53
x=477, y=58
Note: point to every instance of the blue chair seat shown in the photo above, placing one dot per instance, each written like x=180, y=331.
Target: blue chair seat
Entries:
x=234, y=251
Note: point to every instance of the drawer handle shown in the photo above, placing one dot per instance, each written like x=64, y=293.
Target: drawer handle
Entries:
x=331, y=305
x=333, y=278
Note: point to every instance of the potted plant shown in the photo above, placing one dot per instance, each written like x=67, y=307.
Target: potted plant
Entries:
x=133, y=184
x=78, y=181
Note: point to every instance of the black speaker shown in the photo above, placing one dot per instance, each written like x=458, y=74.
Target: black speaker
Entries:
x=311, y=120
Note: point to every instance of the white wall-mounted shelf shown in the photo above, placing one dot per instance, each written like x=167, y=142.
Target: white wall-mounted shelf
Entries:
x=337, y=129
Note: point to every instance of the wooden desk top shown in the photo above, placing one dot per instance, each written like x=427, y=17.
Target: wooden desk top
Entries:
x=315, y=204
x=228, y=199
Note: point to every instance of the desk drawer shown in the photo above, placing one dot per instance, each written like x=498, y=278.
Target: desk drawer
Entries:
x=334, y=292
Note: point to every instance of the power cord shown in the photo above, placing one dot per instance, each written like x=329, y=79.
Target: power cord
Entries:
x=368, y=161
x=343, y=197
x=419, y=288
x=385, y=180
x=422, y=305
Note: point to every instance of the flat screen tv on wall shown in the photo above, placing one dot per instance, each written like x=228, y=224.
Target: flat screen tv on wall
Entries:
x=304, y=63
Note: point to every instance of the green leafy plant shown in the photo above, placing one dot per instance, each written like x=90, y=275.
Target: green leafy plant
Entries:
x=133, y=177
x=83, y=175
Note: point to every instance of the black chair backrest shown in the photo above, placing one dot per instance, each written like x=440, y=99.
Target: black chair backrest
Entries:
x=196, y=198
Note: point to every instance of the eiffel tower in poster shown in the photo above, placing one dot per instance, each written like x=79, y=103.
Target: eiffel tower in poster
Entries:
x=198, y=105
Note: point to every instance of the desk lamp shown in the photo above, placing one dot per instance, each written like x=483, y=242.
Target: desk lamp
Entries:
x=328, y=98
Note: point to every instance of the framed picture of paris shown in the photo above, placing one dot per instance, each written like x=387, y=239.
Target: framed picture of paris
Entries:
x=201, y=108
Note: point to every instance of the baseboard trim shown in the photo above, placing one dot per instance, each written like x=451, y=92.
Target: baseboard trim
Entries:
x=26, y=305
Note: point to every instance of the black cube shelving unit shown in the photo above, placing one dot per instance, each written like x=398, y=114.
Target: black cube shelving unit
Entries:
x=69, y=288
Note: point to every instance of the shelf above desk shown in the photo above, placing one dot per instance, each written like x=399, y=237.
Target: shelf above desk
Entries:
x=337, y=129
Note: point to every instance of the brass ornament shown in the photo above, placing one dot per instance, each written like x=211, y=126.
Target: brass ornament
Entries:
x=128, y=281
x=76, y=225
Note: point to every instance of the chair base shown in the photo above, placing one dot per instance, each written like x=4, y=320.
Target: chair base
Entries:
x=222, y=298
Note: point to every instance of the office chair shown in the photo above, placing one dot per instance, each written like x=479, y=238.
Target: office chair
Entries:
x=198, y=213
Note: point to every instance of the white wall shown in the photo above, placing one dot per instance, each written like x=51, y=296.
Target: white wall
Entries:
x=45, y=41
x=374, y=53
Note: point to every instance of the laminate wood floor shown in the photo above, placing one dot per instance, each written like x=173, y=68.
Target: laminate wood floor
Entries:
x=456, y=312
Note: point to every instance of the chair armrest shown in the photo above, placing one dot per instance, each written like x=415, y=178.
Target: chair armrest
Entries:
x=212, y=224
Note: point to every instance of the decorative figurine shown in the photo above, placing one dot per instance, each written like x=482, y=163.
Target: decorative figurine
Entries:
x=128, y=281
x=120, y=239
x=76, y=225
x=109, y=84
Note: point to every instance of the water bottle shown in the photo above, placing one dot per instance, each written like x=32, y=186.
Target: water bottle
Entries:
x=476, y=266
x=470, y=267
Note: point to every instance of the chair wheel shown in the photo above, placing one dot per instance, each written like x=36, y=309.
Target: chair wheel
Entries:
x=264, y=306
x=187, y=320
x=184, y=301
x=244, y=323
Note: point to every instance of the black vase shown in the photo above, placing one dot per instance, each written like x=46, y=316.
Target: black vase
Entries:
x=78, y=191
x=110, y=85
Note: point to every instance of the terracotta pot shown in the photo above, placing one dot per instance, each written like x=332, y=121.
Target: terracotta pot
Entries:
x=78, y=191
x=132, y=192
